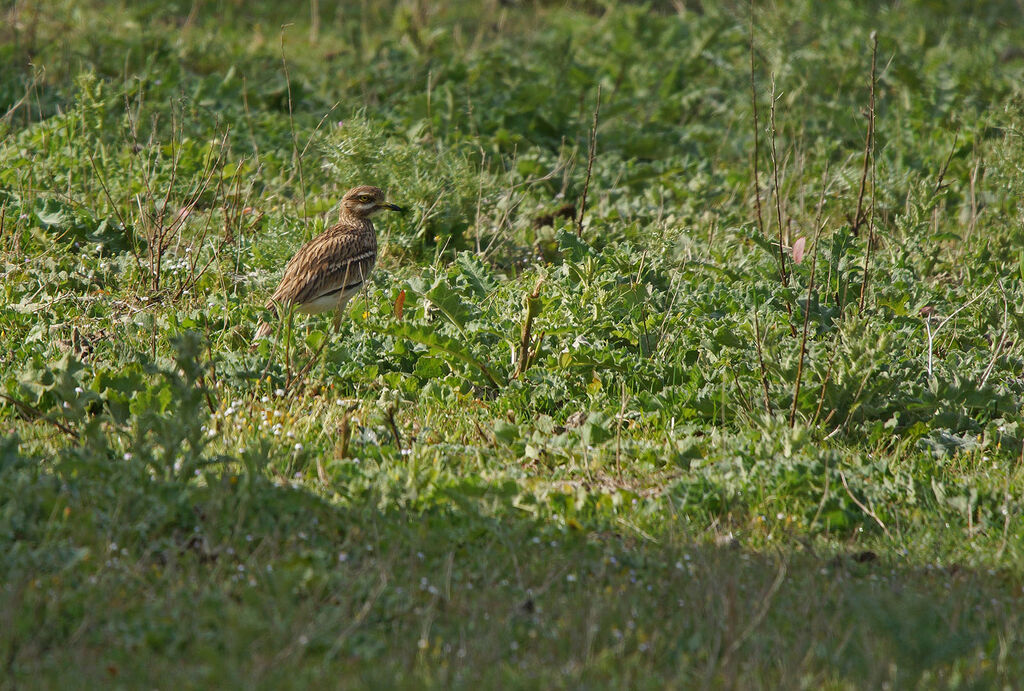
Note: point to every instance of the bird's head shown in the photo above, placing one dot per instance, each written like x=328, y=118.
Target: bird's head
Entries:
x=364, y=201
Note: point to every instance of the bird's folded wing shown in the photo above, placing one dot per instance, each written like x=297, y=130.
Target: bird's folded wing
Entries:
x=327, y=264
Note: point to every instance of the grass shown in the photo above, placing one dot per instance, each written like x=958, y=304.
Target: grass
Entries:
x=727, y=435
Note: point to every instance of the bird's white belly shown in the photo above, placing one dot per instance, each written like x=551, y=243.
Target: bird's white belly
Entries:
x=328, y=303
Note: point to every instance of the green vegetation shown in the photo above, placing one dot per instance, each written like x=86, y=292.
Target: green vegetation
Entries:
x=750, y=435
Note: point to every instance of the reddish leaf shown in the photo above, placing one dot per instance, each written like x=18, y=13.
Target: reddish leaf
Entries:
x=798, y=250
x=399, y=304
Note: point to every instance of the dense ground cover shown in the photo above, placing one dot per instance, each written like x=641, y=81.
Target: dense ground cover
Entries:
x=755, y=422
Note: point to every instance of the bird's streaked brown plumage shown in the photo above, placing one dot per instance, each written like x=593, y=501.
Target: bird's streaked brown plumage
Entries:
x=329, y=269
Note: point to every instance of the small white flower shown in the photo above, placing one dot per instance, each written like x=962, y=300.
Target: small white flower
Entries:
x=279, y=392
x=298, y=447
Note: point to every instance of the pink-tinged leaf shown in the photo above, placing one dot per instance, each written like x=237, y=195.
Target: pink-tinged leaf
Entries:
x=798, y=250
x=399, y=304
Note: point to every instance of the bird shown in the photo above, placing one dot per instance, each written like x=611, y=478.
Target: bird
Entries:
x=329, y=269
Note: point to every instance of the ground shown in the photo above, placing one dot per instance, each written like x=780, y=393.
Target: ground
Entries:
x=695, y=362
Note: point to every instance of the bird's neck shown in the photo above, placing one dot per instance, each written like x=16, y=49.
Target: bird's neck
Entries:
x=347, y=218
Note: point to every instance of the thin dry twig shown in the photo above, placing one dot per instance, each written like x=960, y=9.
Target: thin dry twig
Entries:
x=1000, y=342
x=36, y=76
x=30, y=412
x=760, y=363
x=869, y=142
x=807, y=305
x=871, y=212
x=390, y=417
x=757, y=134
x=932, y=334
x=939, y=184
x=824, y=384
x=862, y=507
x=293, y=381
x=590, y=163
x=762, y=612
x=803, y=338
x=783, y=274
x=291, y=124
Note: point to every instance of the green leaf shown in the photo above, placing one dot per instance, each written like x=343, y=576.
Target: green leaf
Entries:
x=451, y=304
x=445, y=345
x=597, y=429
x=477, y=274
x=569, y=244
x=55, y=215
x=506, y=432
x=315, y=339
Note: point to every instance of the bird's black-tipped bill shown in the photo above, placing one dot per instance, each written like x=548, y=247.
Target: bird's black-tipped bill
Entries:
x=393, y=207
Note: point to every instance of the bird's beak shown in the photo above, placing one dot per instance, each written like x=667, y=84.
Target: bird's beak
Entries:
x=393, y=207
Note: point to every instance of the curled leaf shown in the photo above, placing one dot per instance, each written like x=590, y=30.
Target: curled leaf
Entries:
x=399, y=304
x=798, y=250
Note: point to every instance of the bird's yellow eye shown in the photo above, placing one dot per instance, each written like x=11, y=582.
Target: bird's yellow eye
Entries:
x=365, y=198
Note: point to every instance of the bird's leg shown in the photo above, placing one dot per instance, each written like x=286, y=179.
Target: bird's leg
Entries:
x=287, y=344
